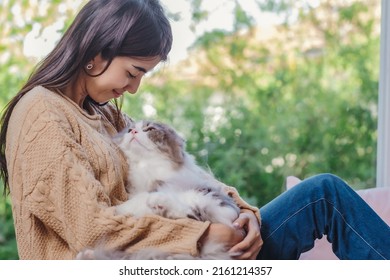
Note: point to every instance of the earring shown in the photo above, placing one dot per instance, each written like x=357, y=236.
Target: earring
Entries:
x=89, y=66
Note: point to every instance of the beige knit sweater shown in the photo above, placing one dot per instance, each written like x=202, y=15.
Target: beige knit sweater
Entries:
x=66, y=176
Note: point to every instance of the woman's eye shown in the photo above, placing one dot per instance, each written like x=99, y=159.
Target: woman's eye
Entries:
x=131, y=75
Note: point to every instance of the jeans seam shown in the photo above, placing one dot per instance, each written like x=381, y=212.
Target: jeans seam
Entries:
x=334, y=207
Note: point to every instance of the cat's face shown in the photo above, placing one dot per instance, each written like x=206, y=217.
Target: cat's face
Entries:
x=147, y=139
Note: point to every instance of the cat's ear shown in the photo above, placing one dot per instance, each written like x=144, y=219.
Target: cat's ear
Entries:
x=177, y=148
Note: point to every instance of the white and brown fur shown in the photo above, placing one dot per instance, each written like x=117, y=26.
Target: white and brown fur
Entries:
x=165, y=180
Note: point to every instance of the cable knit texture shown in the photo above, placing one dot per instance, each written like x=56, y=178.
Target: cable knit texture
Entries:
x=66, y=176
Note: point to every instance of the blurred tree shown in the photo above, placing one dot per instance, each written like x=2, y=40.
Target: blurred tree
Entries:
x=301, y=101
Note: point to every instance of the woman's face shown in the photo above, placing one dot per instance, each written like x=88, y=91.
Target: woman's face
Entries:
x=123, y=74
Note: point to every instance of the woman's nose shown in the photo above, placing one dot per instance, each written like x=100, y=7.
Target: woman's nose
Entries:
x=132, y=87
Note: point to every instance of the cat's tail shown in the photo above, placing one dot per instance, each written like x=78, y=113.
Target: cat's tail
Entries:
x=144, y=254
x=211, y=251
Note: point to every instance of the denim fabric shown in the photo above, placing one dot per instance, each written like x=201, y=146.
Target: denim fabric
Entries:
x=318, y=206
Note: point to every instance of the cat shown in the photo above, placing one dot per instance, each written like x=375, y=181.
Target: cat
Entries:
x=164, y=179
x=167, y=179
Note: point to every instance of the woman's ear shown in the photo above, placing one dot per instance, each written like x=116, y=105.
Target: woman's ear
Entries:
x=96, y=65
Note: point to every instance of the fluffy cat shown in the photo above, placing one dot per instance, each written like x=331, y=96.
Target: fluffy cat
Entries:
x=165, y=180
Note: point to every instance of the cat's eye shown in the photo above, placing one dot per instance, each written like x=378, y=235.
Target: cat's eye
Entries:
x=149, y=128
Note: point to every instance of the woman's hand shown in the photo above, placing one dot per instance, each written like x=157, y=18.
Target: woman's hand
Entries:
x=229, y=236
x=243, y=238
x=250, y=246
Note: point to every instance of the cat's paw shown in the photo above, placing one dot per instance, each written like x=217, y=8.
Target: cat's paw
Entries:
x=167, y=205
x=158, y=203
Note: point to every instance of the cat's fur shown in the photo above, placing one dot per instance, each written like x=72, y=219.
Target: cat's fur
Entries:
x=165, y=180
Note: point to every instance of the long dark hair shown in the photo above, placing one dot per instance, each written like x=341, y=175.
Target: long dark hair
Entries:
x=135, y=28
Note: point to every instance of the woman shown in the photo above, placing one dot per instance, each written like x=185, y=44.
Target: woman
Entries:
x=65, y=175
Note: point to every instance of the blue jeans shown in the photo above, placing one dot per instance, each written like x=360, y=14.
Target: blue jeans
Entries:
x=323, y=205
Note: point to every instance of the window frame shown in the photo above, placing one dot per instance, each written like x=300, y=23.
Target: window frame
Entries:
x=383, y=145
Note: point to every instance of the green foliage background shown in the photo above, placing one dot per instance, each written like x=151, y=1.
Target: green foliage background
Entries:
x=253, y=110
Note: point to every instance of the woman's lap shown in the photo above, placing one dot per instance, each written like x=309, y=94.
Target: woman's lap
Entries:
x=322, y=205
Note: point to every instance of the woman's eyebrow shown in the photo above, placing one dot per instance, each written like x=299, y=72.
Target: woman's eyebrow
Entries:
x=140, y=69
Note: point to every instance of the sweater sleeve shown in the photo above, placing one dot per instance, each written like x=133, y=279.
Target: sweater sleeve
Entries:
x=69, y=208
x=231, y=191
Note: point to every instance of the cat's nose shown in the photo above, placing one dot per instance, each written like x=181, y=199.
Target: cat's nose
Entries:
x=134, y=131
